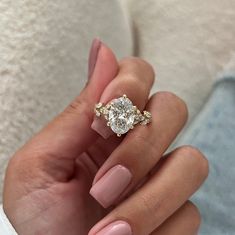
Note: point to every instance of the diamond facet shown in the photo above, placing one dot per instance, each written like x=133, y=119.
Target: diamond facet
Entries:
x=121, y=115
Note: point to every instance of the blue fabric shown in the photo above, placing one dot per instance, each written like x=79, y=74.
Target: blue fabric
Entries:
x=213, y=132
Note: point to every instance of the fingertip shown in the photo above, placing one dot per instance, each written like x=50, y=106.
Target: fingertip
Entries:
x=103, y=68
x=93, y=54
x=106, y=66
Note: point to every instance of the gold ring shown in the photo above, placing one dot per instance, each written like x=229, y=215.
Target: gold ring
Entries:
x=122, y=115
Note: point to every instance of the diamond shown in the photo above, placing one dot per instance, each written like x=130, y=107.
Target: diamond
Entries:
x=121, y=115
x=146, y=118
x=99, y=105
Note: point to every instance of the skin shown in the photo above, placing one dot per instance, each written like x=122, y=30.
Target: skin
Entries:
x=48, y=180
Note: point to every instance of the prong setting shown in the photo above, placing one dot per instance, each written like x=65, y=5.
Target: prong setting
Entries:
x=122, y=115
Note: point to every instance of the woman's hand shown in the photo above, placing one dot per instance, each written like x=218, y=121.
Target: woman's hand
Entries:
x=48, y=181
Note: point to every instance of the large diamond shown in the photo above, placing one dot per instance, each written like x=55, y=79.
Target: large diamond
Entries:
x=121, y=115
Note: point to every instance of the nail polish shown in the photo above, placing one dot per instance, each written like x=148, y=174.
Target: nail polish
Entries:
x=93, y=55
x=100, y=126
x=107, y=189
x=116, y=228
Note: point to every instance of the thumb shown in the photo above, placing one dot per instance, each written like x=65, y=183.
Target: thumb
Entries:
x=69, y=134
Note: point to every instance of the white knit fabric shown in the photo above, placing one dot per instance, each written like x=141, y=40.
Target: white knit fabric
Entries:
x=5, y=226
x=187, y=42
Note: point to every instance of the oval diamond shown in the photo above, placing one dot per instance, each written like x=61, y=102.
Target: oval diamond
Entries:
x=121, y=115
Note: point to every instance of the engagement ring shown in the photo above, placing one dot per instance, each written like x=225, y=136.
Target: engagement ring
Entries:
x=122, y=115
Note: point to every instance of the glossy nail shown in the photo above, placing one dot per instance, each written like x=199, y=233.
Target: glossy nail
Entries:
x=116, y=228
x=107, y=189
x=100, y=126
x=93, y=55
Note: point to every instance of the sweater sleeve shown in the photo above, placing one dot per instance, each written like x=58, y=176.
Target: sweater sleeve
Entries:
x=5, y=226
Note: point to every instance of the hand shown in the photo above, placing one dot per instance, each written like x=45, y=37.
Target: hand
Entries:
x=48, y=181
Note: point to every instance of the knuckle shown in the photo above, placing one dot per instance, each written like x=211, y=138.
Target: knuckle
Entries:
x=194, y=214
x=175, y=102
x=79, y=106
x=199, y=160
x=136, y=64
x=147, y=204
x=137, y=149
x=141, y=63
x=131, y=80
x=142, y=145
x=76, y=105
x=125, y=86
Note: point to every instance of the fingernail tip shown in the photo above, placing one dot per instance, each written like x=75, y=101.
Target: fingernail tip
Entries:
x=95, y=180
x=96, y=196
x=96, y=42
x=126, y=170
x=101, y=129
x=95, y=47
x=120, y=227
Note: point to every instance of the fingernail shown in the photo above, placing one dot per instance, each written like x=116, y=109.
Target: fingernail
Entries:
x=111, y=185
x=100, y=126
x=94, y=51
x=116, y=228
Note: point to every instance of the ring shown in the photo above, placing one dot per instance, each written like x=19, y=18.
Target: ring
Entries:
x=122, y=115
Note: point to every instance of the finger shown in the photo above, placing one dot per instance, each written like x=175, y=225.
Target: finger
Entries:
x=135, y=79
x=135, y=75
x=102, y=148
x=140, y=150
x=185, y=221
x=168, y=189
x=69, y=134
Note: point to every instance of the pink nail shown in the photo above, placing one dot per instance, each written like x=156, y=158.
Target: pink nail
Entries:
x=111, y=185
x=100, y=126
x=116, y=228
x=94, y=51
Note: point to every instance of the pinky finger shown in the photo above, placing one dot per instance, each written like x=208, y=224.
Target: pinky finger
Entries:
x=185, y=221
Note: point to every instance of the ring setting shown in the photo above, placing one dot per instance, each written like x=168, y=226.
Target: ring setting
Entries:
x=121, y=115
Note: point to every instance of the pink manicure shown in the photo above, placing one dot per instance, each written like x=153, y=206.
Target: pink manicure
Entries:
x=99, y=125
x=111, y=185
x=94, y=51
x=116, y=228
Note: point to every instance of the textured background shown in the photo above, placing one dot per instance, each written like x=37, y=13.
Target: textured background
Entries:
x=188, y=42
x=44, y=47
